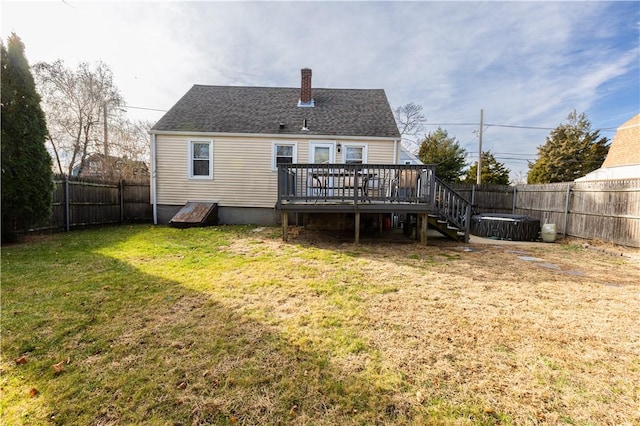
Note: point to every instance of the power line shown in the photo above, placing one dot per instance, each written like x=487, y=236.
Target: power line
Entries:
x=147, y=109
x=510, y=126
x=520, y=127
x=491, y=125
x=498, y=157
x=507, y=157
x=486, y=125
x=607, y=129
x=452, y=124
x=513, y=153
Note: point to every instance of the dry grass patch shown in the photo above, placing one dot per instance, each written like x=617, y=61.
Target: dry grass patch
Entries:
x=231, y=325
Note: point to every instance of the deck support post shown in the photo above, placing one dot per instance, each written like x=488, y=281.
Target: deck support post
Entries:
x=285, y=226
x=380, y=223
x=357, y=227
x=423, y=228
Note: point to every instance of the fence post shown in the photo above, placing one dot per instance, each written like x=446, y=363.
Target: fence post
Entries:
x=121, y=194
x=566, y=211
x=473, y=195
x=67, y=210
x=515, y=197
x=467, y=223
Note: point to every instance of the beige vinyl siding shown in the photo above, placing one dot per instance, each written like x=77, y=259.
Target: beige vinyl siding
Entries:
x=242, y=175
x=378, y=151
x=172, y=169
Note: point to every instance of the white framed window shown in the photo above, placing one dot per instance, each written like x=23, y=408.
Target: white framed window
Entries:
x=284, y=153
x=354, y=153
x=200, y=159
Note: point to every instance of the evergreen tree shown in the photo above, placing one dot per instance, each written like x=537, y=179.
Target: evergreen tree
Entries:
x=26, y=164
x=493, y=171
x=445, y=153
x=571, y=150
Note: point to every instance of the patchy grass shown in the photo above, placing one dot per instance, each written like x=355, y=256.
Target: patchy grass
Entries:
x=229, y=325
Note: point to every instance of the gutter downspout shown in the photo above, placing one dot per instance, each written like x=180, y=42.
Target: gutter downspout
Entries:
x=395, y=151
x=154, y=183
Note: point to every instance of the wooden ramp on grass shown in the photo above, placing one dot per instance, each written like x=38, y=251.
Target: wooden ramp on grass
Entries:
x=196, y=214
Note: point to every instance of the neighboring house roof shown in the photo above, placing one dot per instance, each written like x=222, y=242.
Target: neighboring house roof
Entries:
x=625, y=148
x=93, y=166
x=407, y=156
x=623, y=159
x=273, y=110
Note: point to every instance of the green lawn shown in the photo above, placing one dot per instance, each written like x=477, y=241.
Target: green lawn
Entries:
x=230, y=325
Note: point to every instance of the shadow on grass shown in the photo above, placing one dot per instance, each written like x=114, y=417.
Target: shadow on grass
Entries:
x=136, y=348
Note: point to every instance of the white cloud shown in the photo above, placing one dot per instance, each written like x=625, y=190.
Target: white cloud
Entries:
x=526, y=63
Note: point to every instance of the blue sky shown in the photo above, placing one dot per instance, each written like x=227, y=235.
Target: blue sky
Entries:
x=525, y=64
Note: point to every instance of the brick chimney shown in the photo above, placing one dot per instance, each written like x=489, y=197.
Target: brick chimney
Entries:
x=305, y=89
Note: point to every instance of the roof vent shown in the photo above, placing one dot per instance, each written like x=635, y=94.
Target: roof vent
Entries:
x=305, y=89
x=304, y=126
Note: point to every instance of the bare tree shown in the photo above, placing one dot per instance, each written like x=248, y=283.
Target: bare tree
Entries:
x=411, y=123
x=130, y=147
x=74, y=102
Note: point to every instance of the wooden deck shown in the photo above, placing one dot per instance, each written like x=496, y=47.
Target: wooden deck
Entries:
x=369, y=188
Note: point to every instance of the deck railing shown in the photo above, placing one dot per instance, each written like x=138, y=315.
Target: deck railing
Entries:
x=355, y=184
x=452, y=207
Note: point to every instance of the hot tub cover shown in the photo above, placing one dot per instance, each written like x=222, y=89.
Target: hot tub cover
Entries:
x=504, y=226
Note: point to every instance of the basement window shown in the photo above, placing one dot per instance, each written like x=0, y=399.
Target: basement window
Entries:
x=201, y=159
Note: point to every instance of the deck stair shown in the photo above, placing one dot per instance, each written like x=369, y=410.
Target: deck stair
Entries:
x=453, y=218
x=445, y=228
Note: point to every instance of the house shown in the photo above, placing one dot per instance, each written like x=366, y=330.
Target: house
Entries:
x=95, y=166
x=224, y=143
x=265, y=154
x=407, y=157
x=623, y=159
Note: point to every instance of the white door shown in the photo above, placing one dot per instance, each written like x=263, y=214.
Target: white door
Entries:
x=322, y=153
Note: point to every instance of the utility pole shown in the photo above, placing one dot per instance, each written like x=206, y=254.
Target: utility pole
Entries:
x=479, y=174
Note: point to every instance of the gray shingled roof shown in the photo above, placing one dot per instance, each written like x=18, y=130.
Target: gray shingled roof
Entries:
x=260, y=110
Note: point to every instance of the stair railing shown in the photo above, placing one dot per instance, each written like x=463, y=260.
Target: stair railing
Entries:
x=452, y=207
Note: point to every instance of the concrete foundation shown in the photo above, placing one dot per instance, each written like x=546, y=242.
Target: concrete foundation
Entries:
x=230, y=215
x=266, y=217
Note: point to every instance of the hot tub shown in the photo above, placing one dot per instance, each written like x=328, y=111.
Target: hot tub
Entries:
x=503, y=226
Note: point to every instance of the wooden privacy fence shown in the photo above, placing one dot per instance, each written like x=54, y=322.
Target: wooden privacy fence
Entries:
x=487, y=198
x=602, y=210
x=81, y=203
